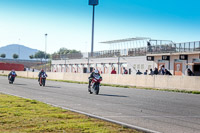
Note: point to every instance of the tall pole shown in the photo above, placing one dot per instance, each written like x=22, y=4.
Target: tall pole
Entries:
x=118, y=63
x=19, y=49
x=92, y=43
x=45, y=50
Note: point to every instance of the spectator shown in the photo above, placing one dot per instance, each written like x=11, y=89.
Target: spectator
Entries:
x=138, y=72
x=33, y=70
x=145, y=73
x=151, y=72
x=125, y=71
x=163, y=70
x=167, y=72
x=113, y=71
x=156, y=71
x=190, y=73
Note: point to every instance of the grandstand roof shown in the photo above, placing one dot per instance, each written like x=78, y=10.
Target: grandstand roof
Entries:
x=126, y=40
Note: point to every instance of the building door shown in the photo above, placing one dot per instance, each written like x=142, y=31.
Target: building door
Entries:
x=84, y=70
x=178, y=68
x=196, y=69
x=129, y=70
x=91, y=69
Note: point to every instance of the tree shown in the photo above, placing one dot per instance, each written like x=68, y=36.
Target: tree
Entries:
x=41, y=54
x=31, y=56
x=3, y=55
x=67, y=51
x=15, y=56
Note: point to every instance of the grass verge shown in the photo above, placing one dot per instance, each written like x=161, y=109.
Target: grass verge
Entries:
x=25, y=115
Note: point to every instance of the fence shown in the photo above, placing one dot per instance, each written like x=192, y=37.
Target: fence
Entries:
x=174, y=47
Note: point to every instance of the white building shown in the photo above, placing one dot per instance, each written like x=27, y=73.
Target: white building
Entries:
x=135, y=54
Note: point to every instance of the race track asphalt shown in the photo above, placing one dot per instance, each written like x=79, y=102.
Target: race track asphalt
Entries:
x=161, y=111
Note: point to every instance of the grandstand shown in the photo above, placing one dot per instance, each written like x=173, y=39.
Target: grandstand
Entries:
x=138, y=53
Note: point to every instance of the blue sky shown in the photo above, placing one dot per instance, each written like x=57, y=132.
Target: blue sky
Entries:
x=68, y=22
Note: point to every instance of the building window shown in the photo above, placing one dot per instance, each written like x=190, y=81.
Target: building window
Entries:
x=138, y=66
x=142, y=66
x=134, y=66
x=149, y=67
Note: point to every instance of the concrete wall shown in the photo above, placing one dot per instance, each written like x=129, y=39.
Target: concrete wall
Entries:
x=158, y=81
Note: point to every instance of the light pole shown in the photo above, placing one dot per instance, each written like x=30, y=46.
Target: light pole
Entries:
x=19, y=48
x=45, y=50
x=93, y=3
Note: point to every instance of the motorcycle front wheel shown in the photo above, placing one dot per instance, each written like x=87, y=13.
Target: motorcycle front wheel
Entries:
x=96, y=90
x=43, y=82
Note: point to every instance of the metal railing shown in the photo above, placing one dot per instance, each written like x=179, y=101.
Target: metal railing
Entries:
x=174, y=47
x=103, y=54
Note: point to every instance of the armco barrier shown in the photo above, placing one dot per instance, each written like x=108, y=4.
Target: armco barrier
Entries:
x=158, y=81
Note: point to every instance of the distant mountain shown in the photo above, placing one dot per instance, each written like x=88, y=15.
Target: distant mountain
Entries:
x=21, y=50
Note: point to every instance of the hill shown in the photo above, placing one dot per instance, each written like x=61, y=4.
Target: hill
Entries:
x=21, y=50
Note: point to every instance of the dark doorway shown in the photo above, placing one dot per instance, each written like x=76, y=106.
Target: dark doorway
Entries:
x=91, y=69
x=84, y=70
x=129, y=71
x=196, y=69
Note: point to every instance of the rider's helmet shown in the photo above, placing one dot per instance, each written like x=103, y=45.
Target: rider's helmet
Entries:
x=42, y=70
x=13, y=70
x=96, y=71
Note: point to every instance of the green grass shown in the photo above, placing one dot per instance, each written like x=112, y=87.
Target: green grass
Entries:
x=24, y=115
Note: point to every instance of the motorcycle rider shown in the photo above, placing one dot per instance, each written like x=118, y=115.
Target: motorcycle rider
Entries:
x=92, y=75
x=40, y=74
x=12, y=73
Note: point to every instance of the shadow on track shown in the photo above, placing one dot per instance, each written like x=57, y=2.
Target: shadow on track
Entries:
x=52, y=86
x=112, y=95
x=19, y=84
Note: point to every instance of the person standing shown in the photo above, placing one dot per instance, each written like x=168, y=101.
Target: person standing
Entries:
x=125, y=71
x=156, y=71
x=146, y=72
x=113, y=71
x=151, y=72
x=138, y=72
x=163, y=70
x=190, y=73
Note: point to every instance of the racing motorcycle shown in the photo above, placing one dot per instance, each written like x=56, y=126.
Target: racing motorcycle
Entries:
x=95, y=84
x=42, y=79
x=11, y=78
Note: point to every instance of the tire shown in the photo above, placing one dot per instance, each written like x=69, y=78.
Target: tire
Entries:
x=43, y=82
x=96, y=90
